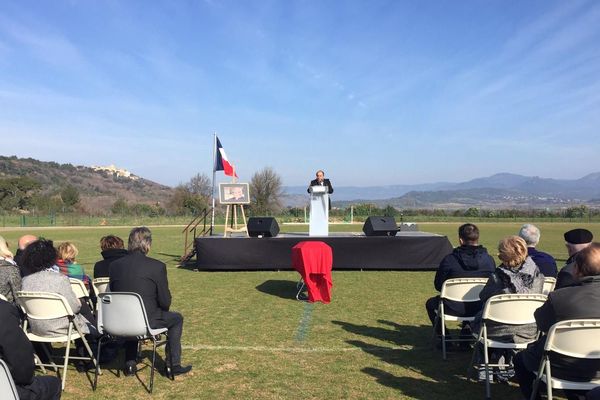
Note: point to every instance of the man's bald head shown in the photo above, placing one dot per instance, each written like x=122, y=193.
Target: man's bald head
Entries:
x=25, y=240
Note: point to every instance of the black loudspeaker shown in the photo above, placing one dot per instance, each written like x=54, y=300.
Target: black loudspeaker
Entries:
x=262, y=226
x=380, y=226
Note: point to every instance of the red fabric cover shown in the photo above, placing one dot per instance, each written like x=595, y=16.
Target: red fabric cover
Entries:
x=313, y=260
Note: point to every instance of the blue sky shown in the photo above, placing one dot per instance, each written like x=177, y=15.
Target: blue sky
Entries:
x=373, y=92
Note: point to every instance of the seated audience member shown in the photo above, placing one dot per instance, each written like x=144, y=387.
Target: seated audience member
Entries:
x=573, y=302
x=39, y=260
x=593, y=394
x=67, y=264
x=17, y=352
x=545, y=262
x=469, y=260
x=23, y=242
x=517, y=274
x=575, y=240
x=138, y=273
x=10, y=275
x=112, y=248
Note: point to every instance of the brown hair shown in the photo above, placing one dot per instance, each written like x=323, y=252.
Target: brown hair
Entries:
x=111, y=242
x=512, y=251
x=67, y=251
x=469, y=233
x=587, y=261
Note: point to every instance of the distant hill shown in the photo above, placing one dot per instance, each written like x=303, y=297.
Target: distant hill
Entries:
x=496, y=191
x=98, y=187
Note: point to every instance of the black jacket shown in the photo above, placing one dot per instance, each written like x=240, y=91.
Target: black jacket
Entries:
x=15, y=349
x=101, y=269
x=326, y=182
x=465, y=262
x=580, y=301
x=146, y=276
x=566, y=276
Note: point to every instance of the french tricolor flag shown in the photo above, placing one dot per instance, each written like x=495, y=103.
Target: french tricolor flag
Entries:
x=223, y=163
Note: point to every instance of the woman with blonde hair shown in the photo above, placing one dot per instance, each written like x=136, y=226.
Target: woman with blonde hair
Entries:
x=517, y=274
x=68, y=265
x=10, y=275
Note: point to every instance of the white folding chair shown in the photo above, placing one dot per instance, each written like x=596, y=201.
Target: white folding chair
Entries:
x=122, y=315
x=79, y=288
x=506, y=309
x=549, y=284
x=578, y=338
x=46, y=306
x=8, y=391
x=100, y=285
x=81, y=291
x=465, y=290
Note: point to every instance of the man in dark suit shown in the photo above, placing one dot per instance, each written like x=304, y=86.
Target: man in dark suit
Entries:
x=321, y=181
x=575, y=240
x=579, y=301
x=138, y=273
x=17, y=352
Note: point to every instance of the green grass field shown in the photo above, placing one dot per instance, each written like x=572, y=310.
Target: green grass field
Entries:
x=248, y=337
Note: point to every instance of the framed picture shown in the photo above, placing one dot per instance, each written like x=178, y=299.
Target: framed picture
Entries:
x=234, y=193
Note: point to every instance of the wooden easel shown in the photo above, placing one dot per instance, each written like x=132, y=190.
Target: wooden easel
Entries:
x=233, y=226
x=231, y=210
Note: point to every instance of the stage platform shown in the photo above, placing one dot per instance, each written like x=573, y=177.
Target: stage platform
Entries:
x=351, y=251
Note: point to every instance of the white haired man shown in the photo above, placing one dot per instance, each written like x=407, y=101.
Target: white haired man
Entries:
x=545, y=262
x=138, y=273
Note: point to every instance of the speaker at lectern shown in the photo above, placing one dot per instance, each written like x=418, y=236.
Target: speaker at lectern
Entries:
x=319, y=211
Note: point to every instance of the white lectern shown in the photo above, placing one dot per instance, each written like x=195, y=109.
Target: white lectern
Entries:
x=319, y=211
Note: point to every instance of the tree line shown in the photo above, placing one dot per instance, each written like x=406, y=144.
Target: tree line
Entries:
x=24, y=194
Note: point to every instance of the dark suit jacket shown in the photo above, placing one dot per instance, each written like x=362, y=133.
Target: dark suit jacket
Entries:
x=579, y=301
x=146, y=276
x=544, y=261
x=326, y=182
x=566, y=276
x=15, y=349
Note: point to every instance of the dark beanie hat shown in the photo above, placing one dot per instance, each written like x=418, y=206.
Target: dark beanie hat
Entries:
x=578, y=236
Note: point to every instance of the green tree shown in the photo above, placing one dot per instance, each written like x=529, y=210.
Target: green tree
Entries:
x=70, y=196
x=390, y=211
x=120, y=207
x=16, y=193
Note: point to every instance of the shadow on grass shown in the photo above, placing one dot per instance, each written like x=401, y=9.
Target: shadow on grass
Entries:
x=190, y=265
x=279, y=288
x=174, y=257
x=426, y=375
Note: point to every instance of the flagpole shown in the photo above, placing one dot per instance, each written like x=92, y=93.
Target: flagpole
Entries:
x=214, y=167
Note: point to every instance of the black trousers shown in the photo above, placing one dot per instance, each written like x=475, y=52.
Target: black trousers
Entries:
x=458, y=309
x=173, y=321
x=42, y=388
x=526, y=377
